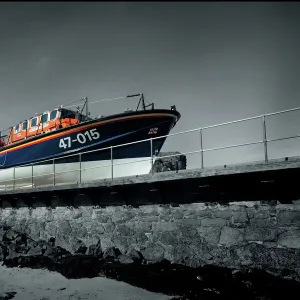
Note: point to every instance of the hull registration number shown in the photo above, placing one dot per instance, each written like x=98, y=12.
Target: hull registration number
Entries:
x=81, y=138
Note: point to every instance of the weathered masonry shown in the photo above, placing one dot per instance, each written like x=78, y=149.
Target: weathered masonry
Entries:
x=238, y=216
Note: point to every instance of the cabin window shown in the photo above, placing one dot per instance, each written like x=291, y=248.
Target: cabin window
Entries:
x=53, y=115
x=34, y=122
x=24, y=125
x=44, y=118
x=17, y=128
x=67, y=114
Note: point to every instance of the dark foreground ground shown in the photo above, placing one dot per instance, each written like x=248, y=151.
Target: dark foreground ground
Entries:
x=206, y=283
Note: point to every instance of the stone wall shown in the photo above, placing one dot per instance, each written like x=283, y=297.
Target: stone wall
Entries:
x=235, y=235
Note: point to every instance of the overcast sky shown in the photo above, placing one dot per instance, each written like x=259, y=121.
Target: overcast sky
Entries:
x=215, y=61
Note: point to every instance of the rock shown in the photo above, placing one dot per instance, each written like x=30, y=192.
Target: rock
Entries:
x=7, y=295
x=9, y=235
x=58, y=254
x=2, y=233
x=11, y=251
x=79, y=247
x=111, y=252
x=173, y=163
x=135, y=255
x=21, y=239
x=154, y=253
x=3, y=251
x=52, y=241
x=40, y=248
x=95, y=250
x=124, y=259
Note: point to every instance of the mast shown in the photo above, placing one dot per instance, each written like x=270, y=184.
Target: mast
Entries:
x=86, y=106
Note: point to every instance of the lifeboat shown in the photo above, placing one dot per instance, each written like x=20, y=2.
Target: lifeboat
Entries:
x=66, y=146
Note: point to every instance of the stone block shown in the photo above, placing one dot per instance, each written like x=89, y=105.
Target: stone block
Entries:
x=288, y=217
x=79, y=231
x=262, y=222
x=63, y=226
x=290, y=239
x=165, y=226
x=140, y=226
x=190, y=222
x=211, y=235
x=153, y=252
x=101, y=218
x=270, y=245
x=213, y=222
x=167, y=238
x=123, y=216
x=124, y=230
x=239, y=216
x=223, y=213
x=263, y=234
x=231, y=236
x=94, y=229
x=258, y=212
x=177, y=215
x=109, y=227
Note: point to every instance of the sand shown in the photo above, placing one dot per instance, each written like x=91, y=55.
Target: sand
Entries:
x=31, y=284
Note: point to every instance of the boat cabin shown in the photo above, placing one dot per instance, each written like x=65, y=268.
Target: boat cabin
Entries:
x=43, y=124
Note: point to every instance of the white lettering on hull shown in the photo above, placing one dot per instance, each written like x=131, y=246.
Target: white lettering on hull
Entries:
x=81, y=138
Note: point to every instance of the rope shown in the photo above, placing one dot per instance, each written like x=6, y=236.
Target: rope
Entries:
x=103, y=100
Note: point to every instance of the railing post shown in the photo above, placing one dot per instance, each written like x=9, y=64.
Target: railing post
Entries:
x=53, y=171
x=201, y=147
x=265, y=138
x=151, y=149
x=14, y=178
x=112, y=163
x=79, y=167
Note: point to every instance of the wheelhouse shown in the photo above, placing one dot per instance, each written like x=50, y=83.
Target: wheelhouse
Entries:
x=42, y=124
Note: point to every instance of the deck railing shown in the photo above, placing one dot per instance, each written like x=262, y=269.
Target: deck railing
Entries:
x=112, y=164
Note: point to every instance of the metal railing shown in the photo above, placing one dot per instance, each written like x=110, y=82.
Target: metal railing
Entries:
x=113, y=164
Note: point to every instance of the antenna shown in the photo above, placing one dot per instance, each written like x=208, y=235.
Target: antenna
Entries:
x=86, y=106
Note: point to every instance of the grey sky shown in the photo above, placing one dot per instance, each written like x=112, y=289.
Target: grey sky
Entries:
x=215, y=61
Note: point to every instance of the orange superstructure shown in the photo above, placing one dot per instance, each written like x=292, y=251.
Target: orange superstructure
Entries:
x=42, y=124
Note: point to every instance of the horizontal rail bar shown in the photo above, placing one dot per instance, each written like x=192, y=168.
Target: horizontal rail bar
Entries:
x=284, y=138
x=233, y=146
x=157, y=157
x=282, y=111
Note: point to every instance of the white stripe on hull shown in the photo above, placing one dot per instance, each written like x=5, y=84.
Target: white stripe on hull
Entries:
x=90, y=170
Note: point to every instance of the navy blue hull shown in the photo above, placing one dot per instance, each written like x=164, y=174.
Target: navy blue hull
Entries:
x=94, y=135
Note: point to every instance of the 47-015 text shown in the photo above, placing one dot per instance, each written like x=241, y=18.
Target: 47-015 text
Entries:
x=81, y=137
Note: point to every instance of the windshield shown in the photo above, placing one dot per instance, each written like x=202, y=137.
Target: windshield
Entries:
x=44, y=118
x=53, y=115
x=33, y=122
